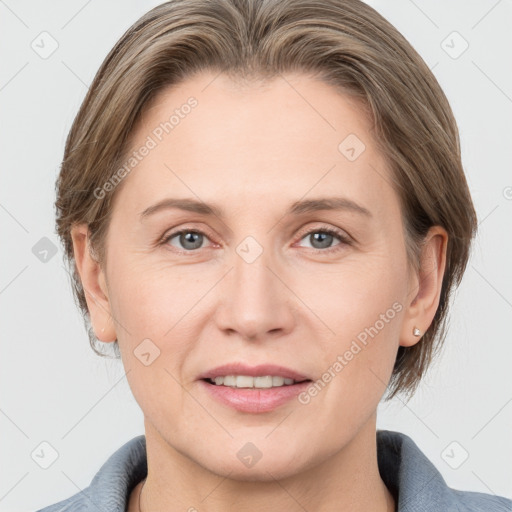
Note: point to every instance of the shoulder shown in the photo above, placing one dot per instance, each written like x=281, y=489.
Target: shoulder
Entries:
x=112, y=484
x=417, y=484
x=468, y=501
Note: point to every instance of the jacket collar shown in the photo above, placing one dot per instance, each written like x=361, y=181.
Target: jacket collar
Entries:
x=413, y=480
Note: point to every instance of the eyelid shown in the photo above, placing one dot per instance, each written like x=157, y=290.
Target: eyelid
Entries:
x=171, y=233
x=325, y=228
x=343, y=236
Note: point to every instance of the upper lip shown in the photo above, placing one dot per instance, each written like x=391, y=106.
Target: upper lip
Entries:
x=254, y=371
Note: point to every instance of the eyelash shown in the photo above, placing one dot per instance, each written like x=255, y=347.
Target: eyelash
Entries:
x=344, y=239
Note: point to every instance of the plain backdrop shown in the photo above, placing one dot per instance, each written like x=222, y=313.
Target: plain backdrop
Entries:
x=56, y=390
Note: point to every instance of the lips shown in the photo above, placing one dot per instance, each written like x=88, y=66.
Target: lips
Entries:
x=253, y=371
x=252, y=400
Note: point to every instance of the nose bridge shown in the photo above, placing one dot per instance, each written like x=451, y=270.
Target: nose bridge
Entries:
x=255, y=298
x=252, y=277
x=253, y=282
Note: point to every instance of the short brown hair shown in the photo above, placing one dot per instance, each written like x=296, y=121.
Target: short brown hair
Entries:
x=348, y=45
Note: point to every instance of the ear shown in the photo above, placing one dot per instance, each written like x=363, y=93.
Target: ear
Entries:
x=425, y=286
x=94, y=284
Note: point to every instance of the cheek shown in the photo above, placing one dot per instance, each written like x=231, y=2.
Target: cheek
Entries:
x=153, y=298
x=354, y=295
x=362, y=306
x=156, y=308
x=364, y=310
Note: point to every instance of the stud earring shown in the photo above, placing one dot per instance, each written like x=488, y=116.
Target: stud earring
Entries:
x=416, y=332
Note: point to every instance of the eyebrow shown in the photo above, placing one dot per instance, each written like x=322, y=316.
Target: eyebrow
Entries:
x=297, y=208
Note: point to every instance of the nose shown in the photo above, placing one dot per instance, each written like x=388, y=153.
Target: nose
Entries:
x=255, y=301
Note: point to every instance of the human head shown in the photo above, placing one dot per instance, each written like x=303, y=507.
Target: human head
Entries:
x=347, y=45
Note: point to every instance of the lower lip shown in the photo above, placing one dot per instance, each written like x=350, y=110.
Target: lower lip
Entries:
x=252, y=399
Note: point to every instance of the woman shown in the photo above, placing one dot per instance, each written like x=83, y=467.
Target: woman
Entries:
x=265, y=212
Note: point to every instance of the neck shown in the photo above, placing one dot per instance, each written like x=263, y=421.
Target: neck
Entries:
x=347, y=480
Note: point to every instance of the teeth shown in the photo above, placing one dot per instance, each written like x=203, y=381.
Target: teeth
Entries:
x=246, y=381
x=279, y=381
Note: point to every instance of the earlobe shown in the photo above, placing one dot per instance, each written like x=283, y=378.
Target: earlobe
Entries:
x=425, y=290
x=94, y=284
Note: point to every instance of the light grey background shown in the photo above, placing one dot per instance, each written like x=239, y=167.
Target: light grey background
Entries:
x=55, y=389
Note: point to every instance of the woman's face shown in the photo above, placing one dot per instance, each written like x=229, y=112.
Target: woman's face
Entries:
x=259, y=281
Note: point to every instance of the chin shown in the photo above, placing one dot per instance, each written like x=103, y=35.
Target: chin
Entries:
x=268, y=471
x=244, y=462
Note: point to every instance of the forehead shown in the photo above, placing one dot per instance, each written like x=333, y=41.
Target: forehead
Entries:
x=276, y=140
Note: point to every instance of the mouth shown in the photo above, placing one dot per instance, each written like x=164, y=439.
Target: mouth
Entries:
x=253, y=389
x=261, y=382
x=239, y=374
x=268, y=388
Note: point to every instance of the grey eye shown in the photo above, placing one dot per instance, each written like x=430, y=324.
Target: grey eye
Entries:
x=321, y=240
x=188, y=240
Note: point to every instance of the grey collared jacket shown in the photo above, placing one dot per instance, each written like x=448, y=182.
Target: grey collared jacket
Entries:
x=413, y=480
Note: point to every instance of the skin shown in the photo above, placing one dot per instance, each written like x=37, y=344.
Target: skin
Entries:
x=254, y=150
